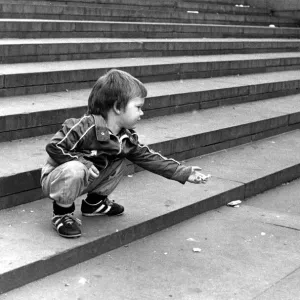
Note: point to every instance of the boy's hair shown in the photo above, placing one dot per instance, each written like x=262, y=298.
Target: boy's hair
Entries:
x=114, y=87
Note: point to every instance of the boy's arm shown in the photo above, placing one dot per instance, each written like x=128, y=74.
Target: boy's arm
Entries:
x=62, y=147
x=156, y=163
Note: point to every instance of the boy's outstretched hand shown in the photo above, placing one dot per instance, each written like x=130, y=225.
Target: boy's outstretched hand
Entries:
x=197, y=177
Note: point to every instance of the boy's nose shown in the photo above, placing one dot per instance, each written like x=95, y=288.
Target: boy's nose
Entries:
x=141, y=113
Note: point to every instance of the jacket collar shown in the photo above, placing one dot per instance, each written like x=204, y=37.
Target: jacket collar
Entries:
x=102, y=132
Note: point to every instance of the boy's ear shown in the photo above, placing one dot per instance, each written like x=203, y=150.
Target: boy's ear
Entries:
x=116, y=109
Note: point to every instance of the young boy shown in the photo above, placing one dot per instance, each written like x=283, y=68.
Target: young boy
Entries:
x=88, y=154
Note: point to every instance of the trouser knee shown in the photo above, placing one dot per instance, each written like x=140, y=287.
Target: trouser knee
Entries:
x=66, y=182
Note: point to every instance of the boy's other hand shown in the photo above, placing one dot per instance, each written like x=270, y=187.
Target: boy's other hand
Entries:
x=197, y=177
x=93, y=173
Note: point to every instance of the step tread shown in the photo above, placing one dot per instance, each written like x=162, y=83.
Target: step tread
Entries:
x=76, y=40
x=58, y=66
x=77, y=98
x=43, y=21
x=32, y=150
x=24, y=227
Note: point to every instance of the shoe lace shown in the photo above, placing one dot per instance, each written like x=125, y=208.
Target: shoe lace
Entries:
x=69, y=219
x=109, y=202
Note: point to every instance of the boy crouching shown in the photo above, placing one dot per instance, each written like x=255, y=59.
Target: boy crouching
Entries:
x=88, y=154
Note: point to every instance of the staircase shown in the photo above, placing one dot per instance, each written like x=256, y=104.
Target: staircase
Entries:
x=223, y=94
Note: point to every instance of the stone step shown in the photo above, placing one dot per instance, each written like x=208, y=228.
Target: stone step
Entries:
x=106, y=13
x=213, y=130
x=35, y=28
x=32, y=250
x=38, y=50
x=33, y=78
x=16, y=7
x=212, y=6
x=28, y=116
x=264, y=229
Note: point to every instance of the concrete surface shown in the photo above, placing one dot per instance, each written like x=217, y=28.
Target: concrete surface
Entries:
x=250, y=252
x=38, y=28
x=9, y=69
x=204, y=121
x=27, y=112
x=219, y=127
x=175, y=6
x=278, y=5
x=44, y=77
x=71, y=12
x=37, y=50
x=221, y=88
x=30, y=249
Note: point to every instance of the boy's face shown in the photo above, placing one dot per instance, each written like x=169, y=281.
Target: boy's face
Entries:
x=132, y=113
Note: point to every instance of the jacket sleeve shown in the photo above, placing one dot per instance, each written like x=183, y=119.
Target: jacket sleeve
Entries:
x=156, y=163
x=64, y=144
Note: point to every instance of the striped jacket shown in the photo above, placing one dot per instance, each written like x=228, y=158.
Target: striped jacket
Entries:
x=89, y=141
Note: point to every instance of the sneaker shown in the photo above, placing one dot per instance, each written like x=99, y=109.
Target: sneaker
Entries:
x=67, y=225
x=105, y=207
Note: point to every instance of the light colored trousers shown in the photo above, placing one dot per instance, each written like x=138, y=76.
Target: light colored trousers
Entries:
x=71, y=179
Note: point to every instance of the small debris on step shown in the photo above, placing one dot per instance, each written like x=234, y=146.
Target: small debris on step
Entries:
x=241, y=5
x=196, y=250
x=234, y=203
x=191, y=240
x=82, y=280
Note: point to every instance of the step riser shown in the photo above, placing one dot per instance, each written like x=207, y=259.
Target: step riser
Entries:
x=35, y=124
x=53, y=264
x=141, y=34
x=41, y=123
x=167, y=3
x=148, y=16
x=48, y=29
x=39, y=53
x=84, y=8
x=86, y=12
x=233, y=143
x=137, y=5
x=15, y=188
x=45, y=82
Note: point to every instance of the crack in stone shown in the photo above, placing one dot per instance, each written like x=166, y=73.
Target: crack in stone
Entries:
x=275, y=283
x=288, y=227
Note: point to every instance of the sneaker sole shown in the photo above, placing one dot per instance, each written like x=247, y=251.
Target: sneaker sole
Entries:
x=67, y=236
x=99, y=215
